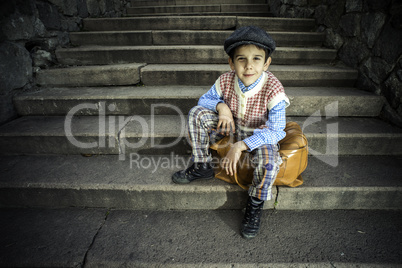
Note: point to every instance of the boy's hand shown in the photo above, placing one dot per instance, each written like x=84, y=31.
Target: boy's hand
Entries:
x=233, y=156
x=226, y=122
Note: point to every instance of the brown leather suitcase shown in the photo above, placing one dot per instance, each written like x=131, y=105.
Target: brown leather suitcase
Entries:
x=293, y=151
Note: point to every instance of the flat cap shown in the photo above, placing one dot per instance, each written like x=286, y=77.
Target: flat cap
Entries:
x=250, y=35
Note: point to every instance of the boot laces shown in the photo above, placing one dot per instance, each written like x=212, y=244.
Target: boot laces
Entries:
x=191, y=169
x=252, y=216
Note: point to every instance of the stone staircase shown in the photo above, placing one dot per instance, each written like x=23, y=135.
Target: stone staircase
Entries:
x=204, y=7
x=107, y=128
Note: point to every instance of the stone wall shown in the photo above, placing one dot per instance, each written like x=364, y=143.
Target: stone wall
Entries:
x=368, y=36
x=31, y=30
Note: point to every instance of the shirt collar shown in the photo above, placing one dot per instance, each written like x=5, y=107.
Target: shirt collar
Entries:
x=244, y=89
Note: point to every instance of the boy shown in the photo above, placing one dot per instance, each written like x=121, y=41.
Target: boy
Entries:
x=249, y=102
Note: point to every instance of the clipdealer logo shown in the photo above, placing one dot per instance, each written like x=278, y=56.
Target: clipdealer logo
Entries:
x=331, y=154
x=109, y=124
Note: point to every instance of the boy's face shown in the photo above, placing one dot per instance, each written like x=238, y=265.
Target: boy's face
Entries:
x=248, y=63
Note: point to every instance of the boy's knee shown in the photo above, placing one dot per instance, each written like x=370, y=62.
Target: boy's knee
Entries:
x=195, y=110
x=265, y=154
x=267, y=150
x=199, y=112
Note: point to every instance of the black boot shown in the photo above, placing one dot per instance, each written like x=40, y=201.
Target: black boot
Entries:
x=252, y=218
x=194, y=172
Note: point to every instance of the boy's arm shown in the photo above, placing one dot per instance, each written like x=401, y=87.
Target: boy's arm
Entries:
x=275, y=128
x=211, y=99
x=271, y=135
x=232, y=157
x=226, y=123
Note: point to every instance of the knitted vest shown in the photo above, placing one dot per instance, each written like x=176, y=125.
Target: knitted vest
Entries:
x=250, y=109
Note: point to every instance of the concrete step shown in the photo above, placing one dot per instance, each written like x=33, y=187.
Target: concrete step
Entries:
x=164, y=134
x=60, y=135
x=328, y=137
x=185, y=37
x=255, y=14
x=206, y=75
x=144, y=183
x=99, y=55
x=196, y=23
x=79, y=237
x=305, y=101
x=110, y=75
x=187, y=74
x=215, y=9
x=138, y=3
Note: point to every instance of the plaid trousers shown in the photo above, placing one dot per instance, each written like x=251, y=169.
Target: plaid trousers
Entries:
x=266, y=158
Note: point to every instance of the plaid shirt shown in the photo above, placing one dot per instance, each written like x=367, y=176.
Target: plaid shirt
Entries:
x=276, y=122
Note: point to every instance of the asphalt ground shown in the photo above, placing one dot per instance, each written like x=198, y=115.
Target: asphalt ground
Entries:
x=78, y=237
